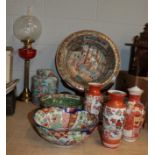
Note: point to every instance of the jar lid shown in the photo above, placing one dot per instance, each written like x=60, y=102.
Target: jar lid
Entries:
x=45, y=73
x=135, y=90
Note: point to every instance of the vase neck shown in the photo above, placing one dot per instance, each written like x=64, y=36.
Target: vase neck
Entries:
x=116, y=101
x=95, y=88
x=117, y=97
x=134, y=98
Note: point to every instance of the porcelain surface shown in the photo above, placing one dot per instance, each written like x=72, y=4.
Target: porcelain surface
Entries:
x=66, y=101
x=64, y=128
x=43, y=83
x=87, y=56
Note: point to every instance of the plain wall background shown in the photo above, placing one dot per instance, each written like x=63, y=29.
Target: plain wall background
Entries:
x=121, y=20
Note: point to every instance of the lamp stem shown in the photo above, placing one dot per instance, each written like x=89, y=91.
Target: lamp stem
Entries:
x=26, y=73
x=26, y=94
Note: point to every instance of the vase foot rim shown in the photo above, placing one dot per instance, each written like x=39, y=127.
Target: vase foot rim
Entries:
x=110, y=145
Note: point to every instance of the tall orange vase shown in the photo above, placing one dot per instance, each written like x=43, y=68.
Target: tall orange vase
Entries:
x=94, y=98
x=113, y=119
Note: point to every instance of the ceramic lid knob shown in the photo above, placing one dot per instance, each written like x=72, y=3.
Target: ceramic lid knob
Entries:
x=135, y=90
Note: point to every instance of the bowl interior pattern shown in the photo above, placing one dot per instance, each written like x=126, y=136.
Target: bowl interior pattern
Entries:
x=87, y=56
x=55, y=118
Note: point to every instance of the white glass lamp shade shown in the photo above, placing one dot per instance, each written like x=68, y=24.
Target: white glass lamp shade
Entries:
x=27, y=28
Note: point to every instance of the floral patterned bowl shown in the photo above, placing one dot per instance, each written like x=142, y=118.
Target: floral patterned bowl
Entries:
x=64, y=128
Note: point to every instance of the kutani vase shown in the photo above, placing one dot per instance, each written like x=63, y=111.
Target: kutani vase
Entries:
x=93, y=98
x=134, y=115
x=113, y=119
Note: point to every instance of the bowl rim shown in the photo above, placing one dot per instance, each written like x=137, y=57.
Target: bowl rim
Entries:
x=61, y=95
x=67, y=129
x=64, y=129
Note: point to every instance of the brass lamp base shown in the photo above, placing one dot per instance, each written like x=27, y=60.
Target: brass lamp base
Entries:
x=26, y=95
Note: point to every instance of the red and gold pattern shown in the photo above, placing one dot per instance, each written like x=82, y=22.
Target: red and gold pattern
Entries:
x=63, y=128
x=134, y=116
x=113, y=119
x=94, y=98
x=58, y=118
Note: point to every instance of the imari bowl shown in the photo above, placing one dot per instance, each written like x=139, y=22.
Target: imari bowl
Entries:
x=64, y=128
x=66, y=101
x=87, y=56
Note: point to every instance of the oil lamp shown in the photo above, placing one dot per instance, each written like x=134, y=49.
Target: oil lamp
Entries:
x=27, y=29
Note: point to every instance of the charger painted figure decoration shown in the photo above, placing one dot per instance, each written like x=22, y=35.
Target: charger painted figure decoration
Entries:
x=87, y=64
x=87, y=56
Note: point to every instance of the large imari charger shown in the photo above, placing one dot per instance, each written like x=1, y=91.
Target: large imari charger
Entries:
x=87, y=56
